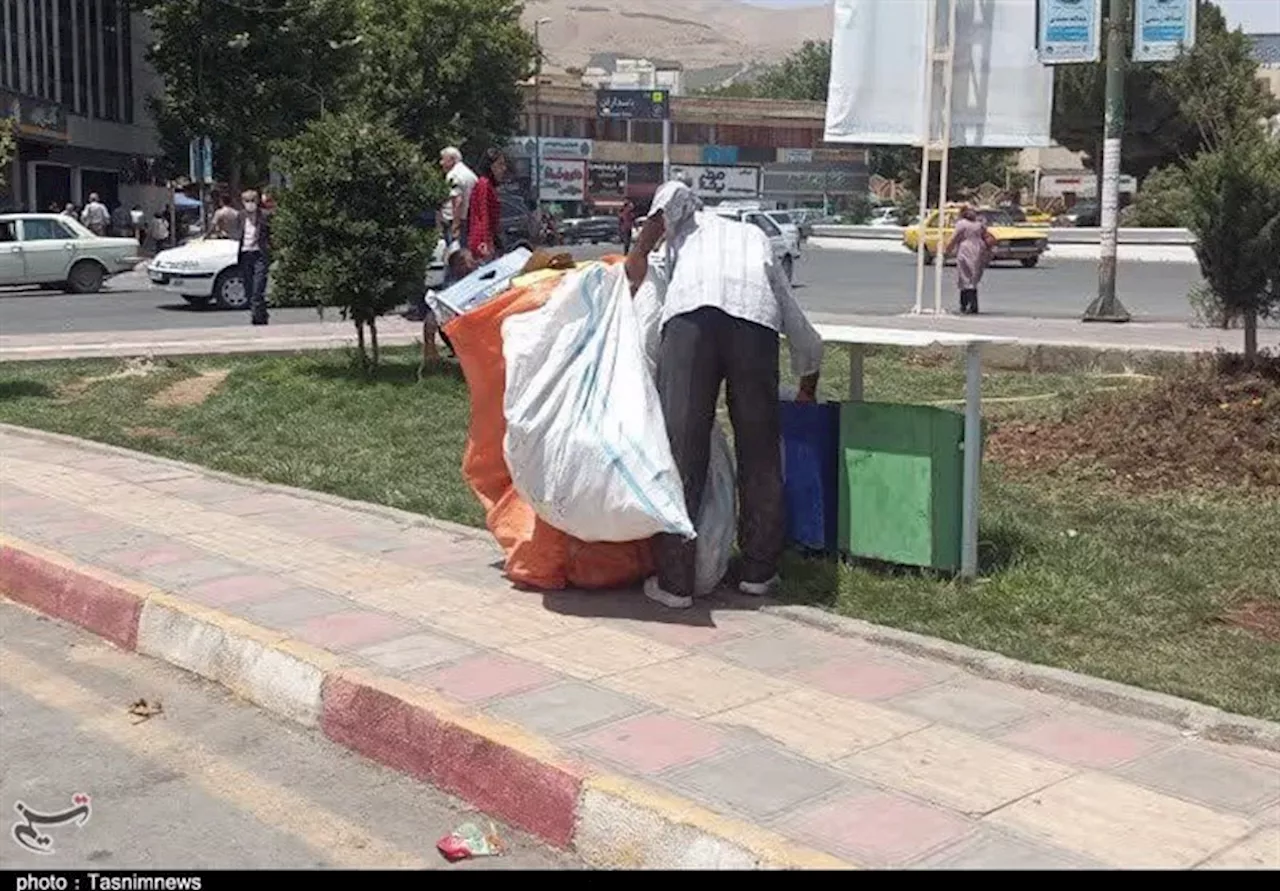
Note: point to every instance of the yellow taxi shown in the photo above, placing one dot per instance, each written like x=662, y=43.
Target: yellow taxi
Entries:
x=1024, y=244
x=1037, y=217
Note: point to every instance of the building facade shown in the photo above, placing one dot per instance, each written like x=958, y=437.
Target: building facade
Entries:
x=71, y=75
x=763, y=149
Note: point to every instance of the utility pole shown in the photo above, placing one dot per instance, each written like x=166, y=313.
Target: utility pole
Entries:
x=1107, y=307
x=537, y=112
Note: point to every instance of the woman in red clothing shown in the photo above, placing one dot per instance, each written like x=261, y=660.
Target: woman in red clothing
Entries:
x=484, y=217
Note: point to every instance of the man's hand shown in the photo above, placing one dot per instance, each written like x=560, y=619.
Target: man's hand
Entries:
x=808, y=389
x=637, y=267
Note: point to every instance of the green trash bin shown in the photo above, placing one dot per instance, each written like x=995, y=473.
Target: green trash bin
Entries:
x=901, y=484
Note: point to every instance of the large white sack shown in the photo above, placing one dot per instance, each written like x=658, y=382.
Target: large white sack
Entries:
x=717, y=521
x=586, y=444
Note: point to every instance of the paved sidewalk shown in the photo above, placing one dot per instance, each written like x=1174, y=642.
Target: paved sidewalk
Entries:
x=394, y=331
x=823, y=743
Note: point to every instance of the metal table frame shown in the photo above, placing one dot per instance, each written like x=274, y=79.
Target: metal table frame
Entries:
x=857, y=338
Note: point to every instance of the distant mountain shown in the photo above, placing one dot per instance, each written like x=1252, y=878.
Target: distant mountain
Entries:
x=700, y=34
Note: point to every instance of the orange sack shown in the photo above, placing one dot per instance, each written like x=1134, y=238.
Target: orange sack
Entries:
x=537, y=555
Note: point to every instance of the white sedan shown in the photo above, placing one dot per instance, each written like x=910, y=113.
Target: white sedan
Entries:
x=56, y=251
x=207, y=270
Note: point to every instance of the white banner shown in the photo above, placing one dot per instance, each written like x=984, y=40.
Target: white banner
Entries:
x=721, y=182
x=1070, y=31
x=1161, y=28
x=563, y=180
x=1002, y=96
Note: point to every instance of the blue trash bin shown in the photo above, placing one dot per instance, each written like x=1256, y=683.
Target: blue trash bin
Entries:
x=810, y=472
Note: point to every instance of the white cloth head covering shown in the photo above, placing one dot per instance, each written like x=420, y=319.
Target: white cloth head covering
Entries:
x=679, y=206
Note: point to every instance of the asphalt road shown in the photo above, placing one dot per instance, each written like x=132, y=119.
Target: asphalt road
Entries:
x=210, y=783
x=831, y=281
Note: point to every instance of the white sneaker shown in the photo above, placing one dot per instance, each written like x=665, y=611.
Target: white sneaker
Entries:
x=657, y=595
x=759, y=589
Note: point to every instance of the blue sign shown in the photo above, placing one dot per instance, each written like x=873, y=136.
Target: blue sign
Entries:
x=1162, y=28
x=720, y=155
x=1070, y=31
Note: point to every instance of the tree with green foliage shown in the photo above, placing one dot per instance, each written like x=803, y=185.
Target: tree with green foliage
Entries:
x=244, y=73
x=805, y=74
x=1235, y=217
x=1164, y=200
x=1163, y=100
x=347, y=227
x=443, y=72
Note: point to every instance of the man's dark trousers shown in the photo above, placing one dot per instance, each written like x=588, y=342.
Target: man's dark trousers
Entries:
x=253, y=270
x=699, y=350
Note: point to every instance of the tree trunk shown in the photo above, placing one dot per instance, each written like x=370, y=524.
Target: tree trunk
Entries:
x=1251, y=337
x=364, y=357
x=235, y=176
x=373, y=339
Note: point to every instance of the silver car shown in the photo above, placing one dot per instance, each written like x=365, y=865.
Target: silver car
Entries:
x=56, y=251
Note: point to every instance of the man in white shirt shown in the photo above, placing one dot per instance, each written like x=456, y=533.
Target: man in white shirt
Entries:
x=461, y=181
x=95, y=215
x=726, y=305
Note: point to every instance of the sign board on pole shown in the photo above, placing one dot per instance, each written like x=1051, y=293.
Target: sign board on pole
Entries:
x=720, y=155
x=633, y=105
x=200, y=160
x=1069, y=31
x=1162, y=28
x=606, y=180
x=563, y=180
x=721, y=182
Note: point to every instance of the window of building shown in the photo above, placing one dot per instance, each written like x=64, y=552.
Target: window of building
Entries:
x=691, y=134
x=92, y=66
x=8, y=43
x=646, y=132
x=66, y=54
x=126, y=60
x=111, y=59
x=610, y=130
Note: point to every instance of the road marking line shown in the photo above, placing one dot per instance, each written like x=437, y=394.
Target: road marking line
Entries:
x=343, y=843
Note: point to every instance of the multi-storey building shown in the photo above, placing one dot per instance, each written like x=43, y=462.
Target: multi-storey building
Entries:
x=72, y=76
x=734, y=148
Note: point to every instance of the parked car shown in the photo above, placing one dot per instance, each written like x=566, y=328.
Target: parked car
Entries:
x=56, y=251
x=593, y=230
x=884, y=217
x=789, y=226
x=1084, y=213
x=207, y=270
x=1013, y=242
x=786, y=253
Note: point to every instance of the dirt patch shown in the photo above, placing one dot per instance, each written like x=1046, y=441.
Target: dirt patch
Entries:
x=191, y=391
x=1210, y=426
x=1260, y=617
x=140, y=367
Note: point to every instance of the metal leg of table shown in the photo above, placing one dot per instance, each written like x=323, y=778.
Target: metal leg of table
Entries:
x=856, y=351
x=972, y=461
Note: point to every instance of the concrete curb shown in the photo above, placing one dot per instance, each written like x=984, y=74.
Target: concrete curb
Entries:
x=610, y=821
x=1204, y=721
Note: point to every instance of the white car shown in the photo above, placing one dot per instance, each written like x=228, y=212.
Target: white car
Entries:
x=56, y=251
x=786, y=251
x=790, y=228
x=884, y=217
x=207, y=270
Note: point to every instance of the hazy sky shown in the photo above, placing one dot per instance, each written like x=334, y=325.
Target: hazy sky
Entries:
x=1255, y=16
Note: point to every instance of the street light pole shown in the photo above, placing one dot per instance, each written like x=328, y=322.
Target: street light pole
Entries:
x=1107, y=307
x=537, y=111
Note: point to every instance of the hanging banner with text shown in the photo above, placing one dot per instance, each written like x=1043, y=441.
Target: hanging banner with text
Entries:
x=1162, y=28
x=563, y=180
x=606, y=180
x=1069, y=31
x=721, y=182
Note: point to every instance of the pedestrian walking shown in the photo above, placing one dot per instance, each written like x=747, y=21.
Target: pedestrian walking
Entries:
x=971, y=244
x=461, y=180
x=70, y=211
x=225, y=219
x=484, y=214
x=95, y=215
x=626, y=224
x=726, y=304
x=254, y=226
x=138, y=219
x=160, y=230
